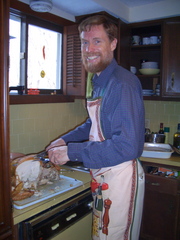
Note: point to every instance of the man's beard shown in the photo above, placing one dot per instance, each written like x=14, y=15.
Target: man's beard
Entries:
x=96, y=67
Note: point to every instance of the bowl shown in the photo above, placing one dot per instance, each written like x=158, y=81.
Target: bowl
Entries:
x=155, y=138
x=149, y=71
x=149, y=65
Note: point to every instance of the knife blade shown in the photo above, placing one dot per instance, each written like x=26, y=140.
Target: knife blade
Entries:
x=42, y=156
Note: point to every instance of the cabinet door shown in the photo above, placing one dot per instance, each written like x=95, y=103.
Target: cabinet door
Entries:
x=160, y=219
x=171, y=58
x=5, y=202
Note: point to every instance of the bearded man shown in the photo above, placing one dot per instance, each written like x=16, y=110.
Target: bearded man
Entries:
x=112, y=138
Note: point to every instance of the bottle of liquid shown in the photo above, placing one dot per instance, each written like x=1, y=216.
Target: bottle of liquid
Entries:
x=161, y=130
x=166, y=133
x=176, y=142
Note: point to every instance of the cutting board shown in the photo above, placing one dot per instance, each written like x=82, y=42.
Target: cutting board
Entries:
x=47, y=191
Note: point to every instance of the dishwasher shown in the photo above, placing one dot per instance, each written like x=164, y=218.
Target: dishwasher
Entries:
x=70, y=220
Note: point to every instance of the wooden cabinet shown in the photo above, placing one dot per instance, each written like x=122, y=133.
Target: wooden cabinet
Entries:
x=165, y=52
x=161, y=213
x=171, y=58
x=5, y=202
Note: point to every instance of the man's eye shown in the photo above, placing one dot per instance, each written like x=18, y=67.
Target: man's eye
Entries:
x=97, y=41
x=84, y=42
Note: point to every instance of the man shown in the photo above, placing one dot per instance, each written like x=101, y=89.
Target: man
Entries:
x=111, y=139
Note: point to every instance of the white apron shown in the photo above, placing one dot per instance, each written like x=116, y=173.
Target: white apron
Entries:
x=118, y=192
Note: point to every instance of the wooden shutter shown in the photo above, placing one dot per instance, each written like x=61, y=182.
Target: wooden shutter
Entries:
x=73, y=71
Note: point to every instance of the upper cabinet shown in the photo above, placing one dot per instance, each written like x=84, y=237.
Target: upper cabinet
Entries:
x=144, y=50
x=171, y=58
x=158, y=42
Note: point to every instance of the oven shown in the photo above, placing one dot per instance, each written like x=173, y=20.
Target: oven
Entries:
x=70, y=220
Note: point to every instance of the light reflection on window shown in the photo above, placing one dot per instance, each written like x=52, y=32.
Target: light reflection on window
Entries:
x=44, y=60
x=14, y=50
x=42, y=67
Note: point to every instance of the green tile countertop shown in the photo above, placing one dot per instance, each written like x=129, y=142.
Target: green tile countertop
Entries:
x=173, y=161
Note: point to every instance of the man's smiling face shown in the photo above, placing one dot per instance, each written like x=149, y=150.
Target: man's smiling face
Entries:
x=96, y=49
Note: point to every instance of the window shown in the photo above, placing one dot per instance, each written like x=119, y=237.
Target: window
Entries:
x=35, y=49
x=14, y=50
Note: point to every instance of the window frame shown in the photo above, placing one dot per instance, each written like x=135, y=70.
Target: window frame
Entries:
x=48, y=25
x=23, y=9
x=27, y=20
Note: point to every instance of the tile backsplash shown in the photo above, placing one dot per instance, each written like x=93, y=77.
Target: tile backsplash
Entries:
x=166, y=112
x=33, y=126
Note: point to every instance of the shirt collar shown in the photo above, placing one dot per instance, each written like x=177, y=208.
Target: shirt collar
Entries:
x=104, y=76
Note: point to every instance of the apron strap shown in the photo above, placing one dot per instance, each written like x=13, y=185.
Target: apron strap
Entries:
x=89, y=87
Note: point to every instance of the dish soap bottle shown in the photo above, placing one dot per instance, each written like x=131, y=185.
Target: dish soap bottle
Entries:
x=161, y=130
x=176, y=142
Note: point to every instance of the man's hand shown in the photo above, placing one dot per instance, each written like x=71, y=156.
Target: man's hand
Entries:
x=58, y=155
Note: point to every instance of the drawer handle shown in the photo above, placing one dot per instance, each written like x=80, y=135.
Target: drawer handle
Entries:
x=55, y=226
x=71, y=217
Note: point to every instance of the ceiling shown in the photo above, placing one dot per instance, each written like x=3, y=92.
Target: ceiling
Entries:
x=126, y=10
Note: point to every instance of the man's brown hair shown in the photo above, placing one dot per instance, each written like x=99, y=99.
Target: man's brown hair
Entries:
x=109, y=27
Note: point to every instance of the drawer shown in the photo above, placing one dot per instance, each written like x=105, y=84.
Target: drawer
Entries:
x=162, y=184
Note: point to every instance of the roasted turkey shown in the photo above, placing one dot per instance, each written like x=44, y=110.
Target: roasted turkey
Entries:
x=27, y=174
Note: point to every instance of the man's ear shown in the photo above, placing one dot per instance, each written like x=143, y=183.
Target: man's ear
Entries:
x=113, y=44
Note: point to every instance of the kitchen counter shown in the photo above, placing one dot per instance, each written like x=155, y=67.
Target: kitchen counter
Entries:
x=20, y=215
x=173, y=161
x=23, y=214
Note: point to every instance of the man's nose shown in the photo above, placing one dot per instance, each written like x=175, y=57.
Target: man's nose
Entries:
x=90, y=47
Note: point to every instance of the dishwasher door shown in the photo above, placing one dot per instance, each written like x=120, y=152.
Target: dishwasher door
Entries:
x=71, y=220
x=81, y=230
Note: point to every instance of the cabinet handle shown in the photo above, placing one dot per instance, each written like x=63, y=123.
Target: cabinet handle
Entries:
x=172, y=79
x=152, y=183
x=155, y=184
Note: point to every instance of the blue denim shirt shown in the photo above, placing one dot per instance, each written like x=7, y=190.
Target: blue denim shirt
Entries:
x=122, y=121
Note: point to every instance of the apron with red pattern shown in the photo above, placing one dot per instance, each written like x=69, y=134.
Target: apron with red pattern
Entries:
x=118, y=192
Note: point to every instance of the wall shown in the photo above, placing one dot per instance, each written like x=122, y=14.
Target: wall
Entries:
x=33, y=126
x=165, y=112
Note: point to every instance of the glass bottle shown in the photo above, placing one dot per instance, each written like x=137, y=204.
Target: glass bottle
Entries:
x=166, y=133
x=176, y=142
x=161, y=130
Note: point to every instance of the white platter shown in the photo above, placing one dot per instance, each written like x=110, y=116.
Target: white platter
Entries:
x=157, y=150
x=62, y=185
